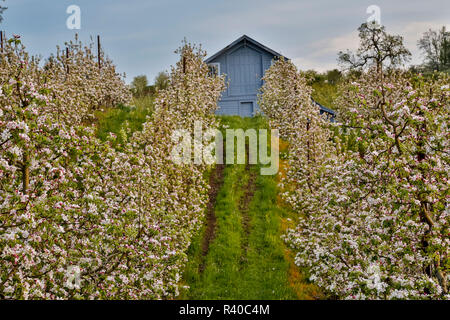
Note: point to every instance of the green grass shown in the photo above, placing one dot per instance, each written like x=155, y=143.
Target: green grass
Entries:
x=265, y=272
x=144, y=103
x=124, y=120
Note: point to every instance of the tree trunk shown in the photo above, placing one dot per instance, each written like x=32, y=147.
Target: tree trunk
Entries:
x=25, y=172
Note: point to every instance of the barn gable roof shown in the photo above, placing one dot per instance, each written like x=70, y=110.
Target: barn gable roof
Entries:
x=325, y=109
x=245, y=38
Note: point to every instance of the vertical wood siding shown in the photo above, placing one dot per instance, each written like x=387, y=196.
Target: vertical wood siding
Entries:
x=244, y=66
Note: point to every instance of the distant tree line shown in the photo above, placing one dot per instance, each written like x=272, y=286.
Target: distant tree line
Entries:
x=435, y=45
x=141, y=88
x=381, y=50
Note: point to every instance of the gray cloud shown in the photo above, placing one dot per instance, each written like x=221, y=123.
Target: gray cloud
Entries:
x=141, y=35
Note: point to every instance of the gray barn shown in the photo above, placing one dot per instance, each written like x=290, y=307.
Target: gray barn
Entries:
x=244, y=63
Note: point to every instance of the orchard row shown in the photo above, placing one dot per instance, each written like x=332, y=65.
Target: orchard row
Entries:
x=82, y=218
x=371, y=188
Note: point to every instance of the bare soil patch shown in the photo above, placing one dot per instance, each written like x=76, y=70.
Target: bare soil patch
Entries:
x=215, y=183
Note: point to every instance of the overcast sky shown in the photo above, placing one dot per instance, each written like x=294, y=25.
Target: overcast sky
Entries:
x=141, y=35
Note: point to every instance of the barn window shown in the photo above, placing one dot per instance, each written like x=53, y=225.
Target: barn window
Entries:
x=214, y=69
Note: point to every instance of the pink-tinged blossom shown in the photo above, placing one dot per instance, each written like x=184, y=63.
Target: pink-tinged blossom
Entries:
x=363, y=209
x=124, y=217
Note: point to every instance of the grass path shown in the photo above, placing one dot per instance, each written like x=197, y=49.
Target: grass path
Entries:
x=240, y=253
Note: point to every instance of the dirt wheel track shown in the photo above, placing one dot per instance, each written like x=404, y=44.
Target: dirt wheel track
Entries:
x=215, y=183
x=244, y=203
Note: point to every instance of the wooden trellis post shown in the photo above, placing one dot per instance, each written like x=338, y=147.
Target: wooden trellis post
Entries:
x=99, y=48
x=2, y=36
x=308, y=144
x=67, y=60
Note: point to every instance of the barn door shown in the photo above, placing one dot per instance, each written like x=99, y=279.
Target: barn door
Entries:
x=246, y=109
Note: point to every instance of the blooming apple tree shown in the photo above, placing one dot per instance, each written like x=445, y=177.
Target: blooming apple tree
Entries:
x=373, y=214
x=80, y=219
